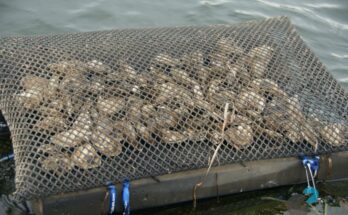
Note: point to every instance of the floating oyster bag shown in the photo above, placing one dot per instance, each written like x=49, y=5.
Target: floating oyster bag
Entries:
x=87, y=108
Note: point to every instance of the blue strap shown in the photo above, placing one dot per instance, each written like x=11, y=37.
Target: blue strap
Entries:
x=126, y=197
x=112, y=198
x=7, y=157
x=312, y=164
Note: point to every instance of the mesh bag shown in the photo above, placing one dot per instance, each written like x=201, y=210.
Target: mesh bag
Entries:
x=87, y=108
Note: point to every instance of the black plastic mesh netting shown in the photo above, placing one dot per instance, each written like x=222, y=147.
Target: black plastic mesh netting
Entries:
x=87, y=108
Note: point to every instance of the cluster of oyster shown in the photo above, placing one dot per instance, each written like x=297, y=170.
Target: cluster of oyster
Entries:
x=90, y=109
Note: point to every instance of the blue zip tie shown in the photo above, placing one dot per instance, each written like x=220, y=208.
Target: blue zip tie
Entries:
x=313, y=161
x=126, y=197
x=112, y=198
x=7, y=157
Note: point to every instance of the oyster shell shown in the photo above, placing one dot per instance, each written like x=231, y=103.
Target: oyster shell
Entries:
x=34, y=82
x=128, y=131
x=260, y=58
x=228, y=47
x=171, y=137
x=30, y=98
x=263, y=86
x=67, y=68
x=52, y=123
x=240, y=136
x=148, y=111
x=192, y=61
x=194, y=135
x=145, y=132
x=49, y=149
x=202, y=75
x=81, y=130
x=294, y=110
x=292, y=131
x=270, y=134
x=249, y=100
x=105, y=140
x=53, y=85
x=165, y=61
x=170, y=91
x=57, y=163
x=166, y=117
x=74, y=82
x=108, y=145
x=86, y=157
x=110, y=106
x=35, y=91
x=310, y=135
x=334, y=133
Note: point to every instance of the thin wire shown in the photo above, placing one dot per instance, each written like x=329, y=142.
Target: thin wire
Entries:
x=307, y=176
x=310, y=172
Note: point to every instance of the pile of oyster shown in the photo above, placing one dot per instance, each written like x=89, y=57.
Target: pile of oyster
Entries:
x=91, y=110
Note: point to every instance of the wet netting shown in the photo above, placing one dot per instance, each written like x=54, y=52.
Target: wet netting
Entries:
x=87, y=108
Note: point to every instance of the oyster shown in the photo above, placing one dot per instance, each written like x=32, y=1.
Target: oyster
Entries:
x=57, y=163
x=310, y=135
x=192, y=61
x=105, y=140
x=249, y=100
x=202, y=75
x=215, y=137
x=194, y=135
x=159, y=75
x=260, y=58
x=52, y=123
x=98, y=68
x=53, y=85
x=294, y=110
x=334, y=133
x=292, y=131
x=240, y=136
x=127, y=130
x=264, y=86
x=169, y=91
x=81, y=130
x=108, y=145
x=214, y=88
x=30, y=98
x=73, y=83
x=86, y=157
x=110, y=106
x=67, y=68
x=126, y=72
x=49, y=149
x=227, y=47
x=270, y=134
x=35, y=91
x=145, y=132
x=166, y=117
x=34, y=82
x=165, y=61
x=148, y=111
x=171, y=137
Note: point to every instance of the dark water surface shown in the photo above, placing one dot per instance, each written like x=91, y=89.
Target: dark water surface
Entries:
x=323, y=24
